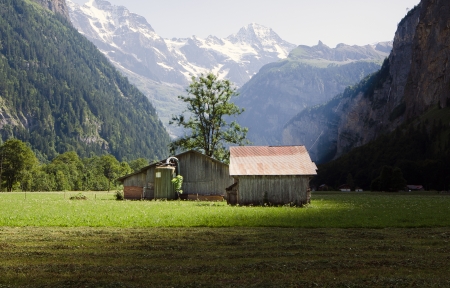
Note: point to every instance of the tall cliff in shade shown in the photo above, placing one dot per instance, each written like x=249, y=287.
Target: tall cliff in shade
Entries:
x=364, y=111
x=56, y=6
x=429, y=80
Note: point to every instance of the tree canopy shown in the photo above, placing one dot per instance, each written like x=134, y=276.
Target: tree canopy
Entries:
x=208, y=104
x=16, y=161
x=20, y=170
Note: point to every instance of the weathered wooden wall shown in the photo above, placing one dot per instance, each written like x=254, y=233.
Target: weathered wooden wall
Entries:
x=133, y=186
x=132, y=192
x=273, y=189
x=135, y=180
x=201, y=175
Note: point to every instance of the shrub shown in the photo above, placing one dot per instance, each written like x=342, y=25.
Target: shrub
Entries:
x=119, y=195
x=79, y=196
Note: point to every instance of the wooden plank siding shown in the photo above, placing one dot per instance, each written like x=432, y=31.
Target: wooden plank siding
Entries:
x=134, y=186
x=202, y=175
x=133, y=192
x=276, y=190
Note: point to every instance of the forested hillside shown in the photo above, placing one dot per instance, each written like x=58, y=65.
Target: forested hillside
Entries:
x=59, y=93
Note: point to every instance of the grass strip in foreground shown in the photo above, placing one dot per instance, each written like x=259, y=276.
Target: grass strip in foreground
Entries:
x=225, y=257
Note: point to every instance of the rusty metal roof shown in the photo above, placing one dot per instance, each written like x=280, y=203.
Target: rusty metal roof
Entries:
x=271, y=160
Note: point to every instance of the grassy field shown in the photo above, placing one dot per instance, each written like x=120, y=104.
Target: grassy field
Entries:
x=327, y=210
x=340, y=240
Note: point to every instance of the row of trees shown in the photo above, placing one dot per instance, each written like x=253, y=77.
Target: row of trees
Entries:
x=20, y=170
x=208, y=104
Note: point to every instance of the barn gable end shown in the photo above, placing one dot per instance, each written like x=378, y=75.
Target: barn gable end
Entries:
x=271, y=174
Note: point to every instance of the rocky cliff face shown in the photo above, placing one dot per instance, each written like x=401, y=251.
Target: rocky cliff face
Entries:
x=368, y=116
x=57, y=6
x=363, y=112
x=429, y=80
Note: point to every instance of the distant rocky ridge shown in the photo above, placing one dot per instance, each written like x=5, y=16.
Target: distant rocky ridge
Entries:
x=57, y=6
x=405, y=87
x=308, y=77
x=321, y=55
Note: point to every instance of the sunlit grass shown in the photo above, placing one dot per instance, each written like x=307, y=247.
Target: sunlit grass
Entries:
x=327, y=210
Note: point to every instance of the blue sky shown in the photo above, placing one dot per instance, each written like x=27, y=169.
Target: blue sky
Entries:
x=353, y=22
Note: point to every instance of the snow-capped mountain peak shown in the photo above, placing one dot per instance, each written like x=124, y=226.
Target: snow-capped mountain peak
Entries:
x=252, y=33
x=125, y=35
x=263, y=38
x=106, y=20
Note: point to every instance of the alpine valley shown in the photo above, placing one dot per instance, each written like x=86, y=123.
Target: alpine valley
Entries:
x=365, y=112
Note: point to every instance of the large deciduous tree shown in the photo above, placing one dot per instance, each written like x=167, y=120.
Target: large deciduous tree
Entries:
x=208, y=103
x=16, y=161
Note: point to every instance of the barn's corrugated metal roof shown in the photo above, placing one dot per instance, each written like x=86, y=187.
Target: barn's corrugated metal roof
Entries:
x=271, y=160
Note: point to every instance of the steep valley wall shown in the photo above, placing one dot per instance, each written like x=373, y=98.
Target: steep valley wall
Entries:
x=378, y=104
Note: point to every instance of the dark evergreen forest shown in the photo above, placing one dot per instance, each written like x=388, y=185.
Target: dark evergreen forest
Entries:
x=59, y=93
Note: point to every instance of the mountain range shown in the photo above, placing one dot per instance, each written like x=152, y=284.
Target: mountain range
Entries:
x=358, y=109
x=162, y=68
x=309, y=76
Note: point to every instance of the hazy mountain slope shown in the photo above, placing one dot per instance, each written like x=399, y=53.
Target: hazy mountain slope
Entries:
x=166, y=65
x=364, y=111
x=309, y=76
x=59, y=93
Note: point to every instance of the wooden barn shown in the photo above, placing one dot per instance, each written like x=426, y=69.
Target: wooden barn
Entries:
x=202, y=175
x=270, y=174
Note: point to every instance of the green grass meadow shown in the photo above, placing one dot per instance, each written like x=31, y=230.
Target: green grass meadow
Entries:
x=327, y=210
x=339, y=240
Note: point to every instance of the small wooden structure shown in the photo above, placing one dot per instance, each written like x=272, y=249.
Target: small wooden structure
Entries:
x=270, y=175
x=202, y=176
x=414, y=188
x=345, y=188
